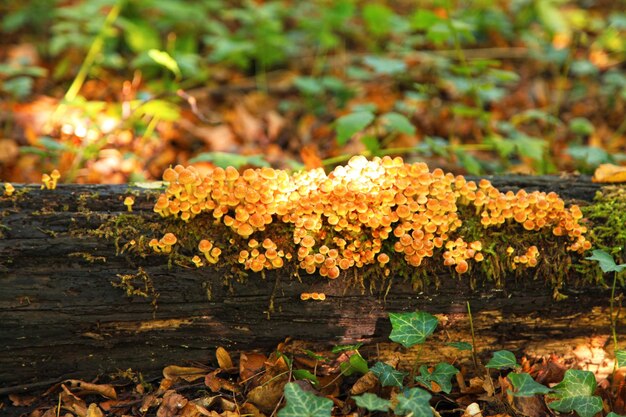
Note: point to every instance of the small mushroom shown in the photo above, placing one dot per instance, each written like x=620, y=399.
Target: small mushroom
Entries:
x=128, y=202
x=8, y=189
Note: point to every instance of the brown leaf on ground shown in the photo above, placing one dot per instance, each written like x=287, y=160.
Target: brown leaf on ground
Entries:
x=21, y=400
x=172, y=404
x=189, y=374
x=609, y=173
x=72, y=403
x=88, y=388
x=94, y=411
x=215, y=383
x=251, y=365
x=267, y=395
x=250, y=410
x=223, y=358
x=365, y=383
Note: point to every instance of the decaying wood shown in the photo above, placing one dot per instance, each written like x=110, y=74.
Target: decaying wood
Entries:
x=61, y=317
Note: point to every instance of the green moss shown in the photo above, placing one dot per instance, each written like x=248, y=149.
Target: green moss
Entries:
x=606, y=219
x=139, y=284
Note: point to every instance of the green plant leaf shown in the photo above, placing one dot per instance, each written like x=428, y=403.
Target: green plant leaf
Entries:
x=371, y=143
x=398, y=122
x=384, y=66
x=590, y=155
x=224, y=159
x=605, y=261
x=345, y=348
x=372, y=402
x=352, y=123
x=620, y=357
x=530, y=147
x=140, y=35
x=469, y=162
x=164, y=110
x=576, y=383
x=612, y=414
x=442, y=375
x=388, y=375
x=356, y=363
x=52, y=145
x=502, y=359
x=460, y=345
x=166, y=60
x=526, y=386
x=305, y=374
x=304, y=404
x=585, y=406
x=581, y=126
x=575, y=393
x=409, y=329
x=414, y=401
x=378, y=19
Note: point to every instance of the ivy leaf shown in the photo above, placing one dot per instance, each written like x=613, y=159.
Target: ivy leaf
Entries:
x=356, y=363
x=409, y=329
x=576, y=383
x=502, y=359
x=526, y=386
x=414, y=401
x=398, y=122
x=384, y=66
x=575, y=393
x=372, y=402
x=304, y=404
x=442, y=375
x=606, y=261
x=620, y=356
x=612, y=414
x=305, y=374
x=388, y=375
x=585, y=406
x=352, y=123
x=460, y=345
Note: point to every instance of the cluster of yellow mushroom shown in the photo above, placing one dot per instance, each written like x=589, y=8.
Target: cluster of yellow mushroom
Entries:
x=164, y=244
x=261, y=256
x=359, y=214
x=49, y=181
x=530, y=258
x=316, y=296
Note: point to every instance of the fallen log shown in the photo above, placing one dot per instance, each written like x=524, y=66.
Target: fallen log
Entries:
x=76, y=301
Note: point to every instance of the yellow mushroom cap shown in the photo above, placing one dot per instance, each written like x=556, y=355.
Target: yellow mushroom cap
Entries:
x=170, y=175
x=169, y=239
x=204, y=246
x=55, y=174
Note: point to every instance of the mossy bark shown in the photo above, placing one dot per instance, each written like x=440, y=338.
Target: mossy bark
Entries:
x=79, y=298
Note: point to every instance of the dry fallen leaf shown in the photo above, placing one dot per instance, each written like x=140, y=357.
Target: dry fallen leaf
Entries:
x=609, y=173
x=215, y=383
x=103, y=389
x=187, y=373
x=250, y=365
x=266, y=396
x=94, y=411
x=172, y=404
x=223, y=358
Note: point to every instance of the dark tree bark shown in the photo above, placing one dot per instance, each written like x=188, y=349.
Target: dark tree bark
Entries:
x=61, y=317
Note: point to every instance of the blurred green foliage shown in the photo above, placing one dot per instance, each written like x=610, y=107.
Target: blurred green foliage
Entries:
x=177, y=45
